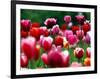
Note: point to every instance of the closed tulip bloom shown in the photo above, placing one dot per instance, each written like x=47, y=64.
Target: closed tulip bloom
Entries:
x=55, y=29
x=36, y=24
x=76, y=64
x=72, y=39
x=58, y=41
x=75, y=28
x=67, y=33
x=87, y=39
x=79, y=52
x=44, y=31
x=46, y=42
x=23, y=60
x=27, y=45
x=25, y=25
x=80, y=18
x=87, y=62
x=50, y=22
x=88, y=52
x=67, y=18
x=80, y=34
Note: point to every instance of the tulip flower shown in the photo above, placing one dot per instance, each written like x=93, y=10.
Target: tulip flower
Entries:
x=27, y=45
x=58, y=40
x=35, y=32
x=87, y=39
x=72, y=39
x=67, y=33
x=24, y=34
x=44, y=31
x=86, y=27
x=80, y=34
x=35, y=24
x=56, y=58
x=75, y=28
x=55, y=29
x=76, y=64
x=50, y=22
x=25, y=25
x=46, y=42
x=87, y=62
x=88, y=52
x=80, y=18
x=79, y=52
x=64, y=27
x=67, y=18
x=23, y=60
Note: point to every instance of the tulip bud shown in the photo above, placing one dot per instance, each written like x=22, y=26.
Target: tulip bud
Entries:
x=58, y=40
x=79, y=52
x=88, y=52
x=87, y=62
x=23, y=60
x=67, y=18
x=80, y=34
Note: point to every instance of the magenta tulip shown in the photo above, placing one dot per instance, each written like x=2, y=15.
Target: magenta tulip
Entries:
x=67, y=18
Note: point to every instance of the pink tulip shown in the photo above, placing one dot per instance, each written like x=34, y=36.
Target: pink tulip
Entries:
x=76, y=64
x=72, y=39
x=88, y=52
x=67, y=33
x=27, y=45
x=80, y=18
x=50, y=22
x=25, y=25
x=55, y=29
x=80, y=34
x=87, y=39
x=67, y=18
x=56, y=58
x=46, y=42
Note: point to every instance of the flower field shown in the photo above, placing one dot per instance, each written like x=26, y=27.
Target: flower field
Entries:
x=55, y=39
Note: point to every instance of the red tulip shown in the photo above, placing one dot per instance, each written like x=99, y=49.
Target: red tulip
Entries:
x=75, y=28
x=86, y=27
x=25, y=25
x=35, y=32
x=88, y=52
x=36, y=24
x=79, y=52
x=24, y=34
x=64, y=27
x=80, y=34
x=36, y=52
x=44, y=58
x=87, y=62
x=27, y=45
x=58, y=40
x=44, y=31
x=23, y=60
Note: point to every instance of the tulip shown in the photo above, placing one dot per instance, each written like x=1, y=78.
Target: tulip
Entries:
x=76, y=64
x=87, y=62
x=72, y=39
x=58, y=40
x=75, y=28
x=88, y=52
x=67, y=18
x=46, y=42
x=80, y=18
x=57, y=58
x=24, y=34
x=36, y=52
x=67, y=33
x=44, y=31
x=35, y=24
x=87, y=39
x=25, y=25
x=27, y=45
x=44, y=58
x=35, y=32
x=79, y=52
x=50, y=22
x=23, y=60
x=86, y=27
x=64, y=27
x=55, y=29
x=80, y=34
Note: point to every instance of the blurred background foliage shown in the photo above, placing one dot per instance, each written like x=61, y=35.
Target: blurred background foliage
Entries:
x=41, y=15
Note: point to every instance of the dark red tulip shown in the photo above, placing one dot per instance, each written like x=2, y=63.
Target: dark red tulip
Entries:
x=58, y=40
x=75, y=28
